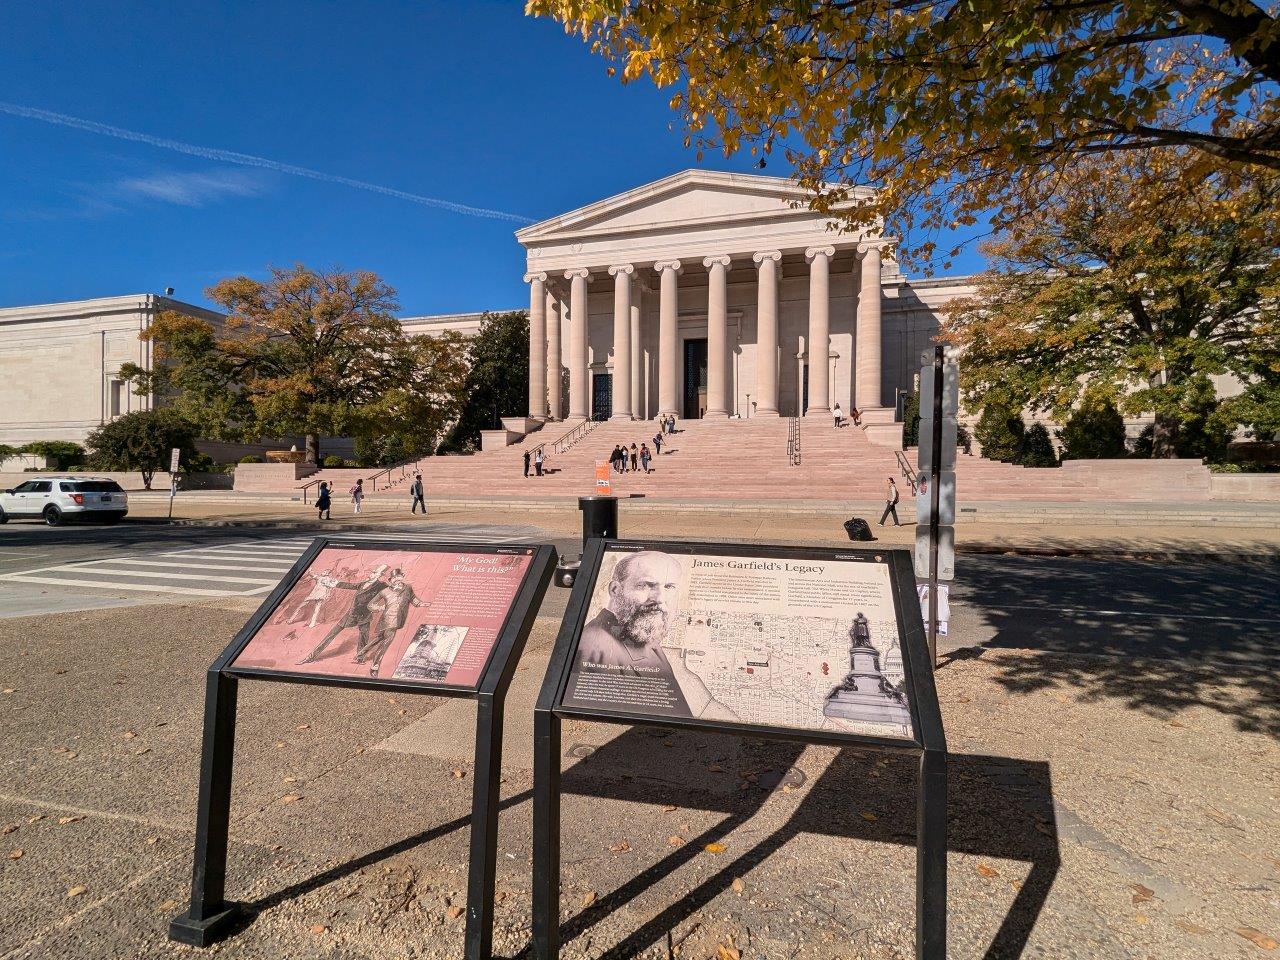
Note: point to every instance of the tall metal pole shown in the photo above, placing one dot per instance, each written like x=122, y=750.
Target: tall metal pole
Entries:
x=935, y=471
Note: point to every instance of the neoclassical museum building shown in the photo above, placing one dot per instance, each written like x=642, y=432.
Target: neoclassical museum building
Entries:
x=715, y=295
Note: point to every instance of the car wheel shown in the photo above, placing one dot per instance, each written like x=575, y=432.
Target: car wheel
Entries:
x=4, y=517
x=52, y=516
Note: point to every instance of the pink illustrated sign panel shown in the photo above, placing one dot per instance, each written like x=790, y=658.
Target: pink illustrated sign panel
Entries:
x=418, y=616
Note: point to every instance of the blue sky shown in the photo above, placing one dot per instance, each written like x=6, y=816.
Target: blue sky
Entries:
x=466, y=102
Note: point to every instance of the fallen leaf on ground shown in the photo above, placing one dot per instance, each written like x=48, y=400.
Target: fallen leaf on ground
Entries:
x=318, y=928
x=138, y=753
x=1141, y=894
x=728, y=953
x=303, y=726
x=76, y=891
x=869, y=817
x=588, y=898
x=128, y=734
x=715, y=768
x=1217, y=816
x=985, y=871
x=500, y=896
x=8, y=689
x=670, y=808
x=458, y=774
x=152, y=841
x=714, y=848
x=8, y=828
x=738, y=885
x=65, y=820
x=622, y=847
x=291, y=798
x=16, y=855
x=454, y=913
x=674, y=841
x=1190, y=927
x=1258, y=938
x=1141, y=919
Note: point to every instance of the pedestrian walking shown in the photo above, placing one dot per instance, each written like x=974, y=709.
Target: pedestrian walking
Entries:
x=891, y=505
x=538, y=461
x=527, y=458
x=357, y=495
x=838, y=416
x=657, y=443
x=614, y=459
x=635, y=459
x=323, y=503
x=415, y=489
x=644, y=457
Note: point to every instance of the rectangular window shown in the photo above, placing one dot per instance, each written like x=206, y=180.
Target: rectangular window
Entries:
x=117, y=397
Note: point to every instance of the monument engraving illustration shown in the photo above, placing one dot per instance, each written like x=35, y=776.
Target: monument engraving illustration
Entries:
x=865, y=694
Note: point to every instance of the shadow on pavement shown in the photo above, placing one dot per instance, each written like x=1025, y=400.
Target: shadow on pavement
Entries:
x=1160, y=637
x=999, y=807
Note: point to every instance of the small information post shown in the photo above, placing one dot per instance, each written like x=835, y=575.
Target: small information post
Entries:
x=814, y=645
x=445, y=619
x=935, y=553
x=174, y=454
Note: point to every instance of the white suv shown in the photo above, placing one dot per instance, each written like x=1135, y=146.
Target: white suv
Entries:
x=56, y=500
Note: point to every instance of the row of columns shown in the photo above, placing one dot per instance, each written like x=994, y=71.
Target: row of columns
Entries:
x=545, y=346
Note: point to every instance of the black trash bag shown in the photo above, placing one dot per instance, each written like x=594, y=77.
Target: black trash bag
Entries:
x=858, y=529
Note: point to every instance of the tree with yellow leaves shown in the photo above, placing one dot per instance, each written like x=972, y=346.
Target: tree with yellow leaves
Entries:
x=955, y=109
x=1137, y=283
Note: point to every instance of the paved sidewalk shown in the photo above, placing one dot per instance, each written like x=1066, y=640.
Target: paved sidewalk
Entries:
x=1101, y=807
x=1067, y=535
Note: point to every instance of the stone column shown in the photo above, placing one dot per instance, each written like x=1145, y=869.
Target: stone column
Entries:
x=866, y=393
x=638, y=405
x=717, y=337
x=622, y=346
x=668, y=314
x=767, y=334
x=819, y=330
x=579, y=374
x=537, y=345
x=554, y=359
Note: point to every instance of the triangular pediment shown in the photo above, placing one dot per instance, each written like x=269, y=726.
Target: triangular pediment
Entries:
x=689, y=198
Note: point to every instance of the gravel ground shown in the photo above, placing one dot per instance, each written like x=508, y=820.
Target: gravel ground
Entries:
x=1087, y=817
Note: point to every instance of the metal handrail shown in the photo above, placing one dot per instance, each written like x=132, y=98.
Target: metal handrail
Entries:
x=905, y=466
x=574, y=435
x=402, y=467
x=793, y=441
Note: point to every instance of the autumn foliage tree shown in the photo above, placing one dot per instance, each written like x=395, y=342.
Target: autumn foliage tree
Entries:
x=1138, y=280
x=955, y=109
x=305, y=352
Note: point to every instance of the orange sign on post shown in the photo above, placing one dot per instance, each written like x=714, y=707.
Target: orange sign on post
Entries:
x=603, y=488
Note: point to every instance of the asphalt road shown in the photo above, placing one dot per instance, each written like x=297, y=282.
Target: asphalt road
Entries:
x=1218, y=612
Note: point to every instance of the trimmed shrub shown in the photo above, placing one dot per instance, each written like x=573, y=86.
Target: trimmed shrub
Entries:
x=1094, y=431
x=251, y=458
x=58, y=454
x=911, y=421
x=1001, y=431
x=1037, y=448
x=332, y=461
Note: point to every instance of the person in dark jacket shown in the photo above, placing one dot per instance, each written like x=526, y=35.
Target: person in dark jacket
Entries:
x=359, y=615
x=323, y=502
x=415, y=490
x=528, y=457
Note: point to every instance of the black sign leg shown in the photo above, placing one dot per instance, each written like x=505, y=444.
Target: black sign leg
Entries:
x=546, y=835
x=210, y=915
x=931, y=857
x=484, y=828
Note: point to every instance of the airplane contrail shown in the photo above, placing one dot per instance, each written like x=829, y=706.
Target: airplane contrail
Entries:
x=248, y=160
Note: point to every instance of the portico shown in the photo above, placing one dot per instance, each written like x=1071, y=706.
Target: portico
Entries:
x=705, y=294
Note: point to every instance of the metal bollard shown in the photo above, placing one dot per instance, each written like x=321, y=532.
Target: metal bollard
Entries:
x=599, y=519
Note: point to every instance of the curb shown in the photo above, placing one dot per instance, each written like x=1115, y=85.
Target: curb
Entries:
x=1225, y=554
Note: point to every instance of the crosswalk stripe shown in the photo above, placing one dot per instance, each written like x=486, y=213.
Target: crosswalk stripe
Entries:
x=152, y=588
x=111, y=571
x=195, y=565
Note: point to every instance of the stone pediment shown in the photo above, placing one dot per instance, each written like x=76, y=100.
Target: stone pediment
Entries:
x=689, y=199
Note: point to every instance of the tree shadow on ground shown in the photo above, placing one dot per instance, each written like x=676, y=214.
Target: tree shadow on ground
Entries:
x=1160, y=637
x=998, y=807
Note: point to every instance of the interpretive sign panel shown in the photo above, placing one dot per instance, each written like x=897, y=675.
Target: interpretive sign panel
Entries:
x=445, y=619
x=428, y=617
x=816, y=645
x=771, y=639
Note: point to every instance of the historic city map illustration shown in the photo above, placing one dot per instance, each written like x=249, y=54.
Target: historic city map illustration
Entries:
x=811, y=644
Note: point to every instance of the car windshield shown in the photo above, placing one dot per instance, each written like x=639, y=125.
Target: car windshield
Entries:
x=96, y=486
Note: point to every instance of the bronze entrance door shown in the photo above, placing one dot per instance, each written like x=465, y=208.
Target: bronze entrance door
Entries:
x=601, y=396
x=695, y=379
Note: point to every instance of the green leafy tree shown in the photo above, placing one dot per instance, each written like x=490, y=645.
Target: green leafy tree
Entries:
x=911, y=421
x=497, y=378
x=58, y=454
x=1000, y=431
x=1134, y=277
x=1037, y=448
x=1094, y=431
x=142, y=441
x=956, y=110
x=305, y=352
x=1258, y=407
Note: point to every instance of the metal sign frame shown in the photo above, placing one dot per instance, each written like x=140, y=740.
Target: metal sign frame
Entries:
x=928, y=738
x=211, y=916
